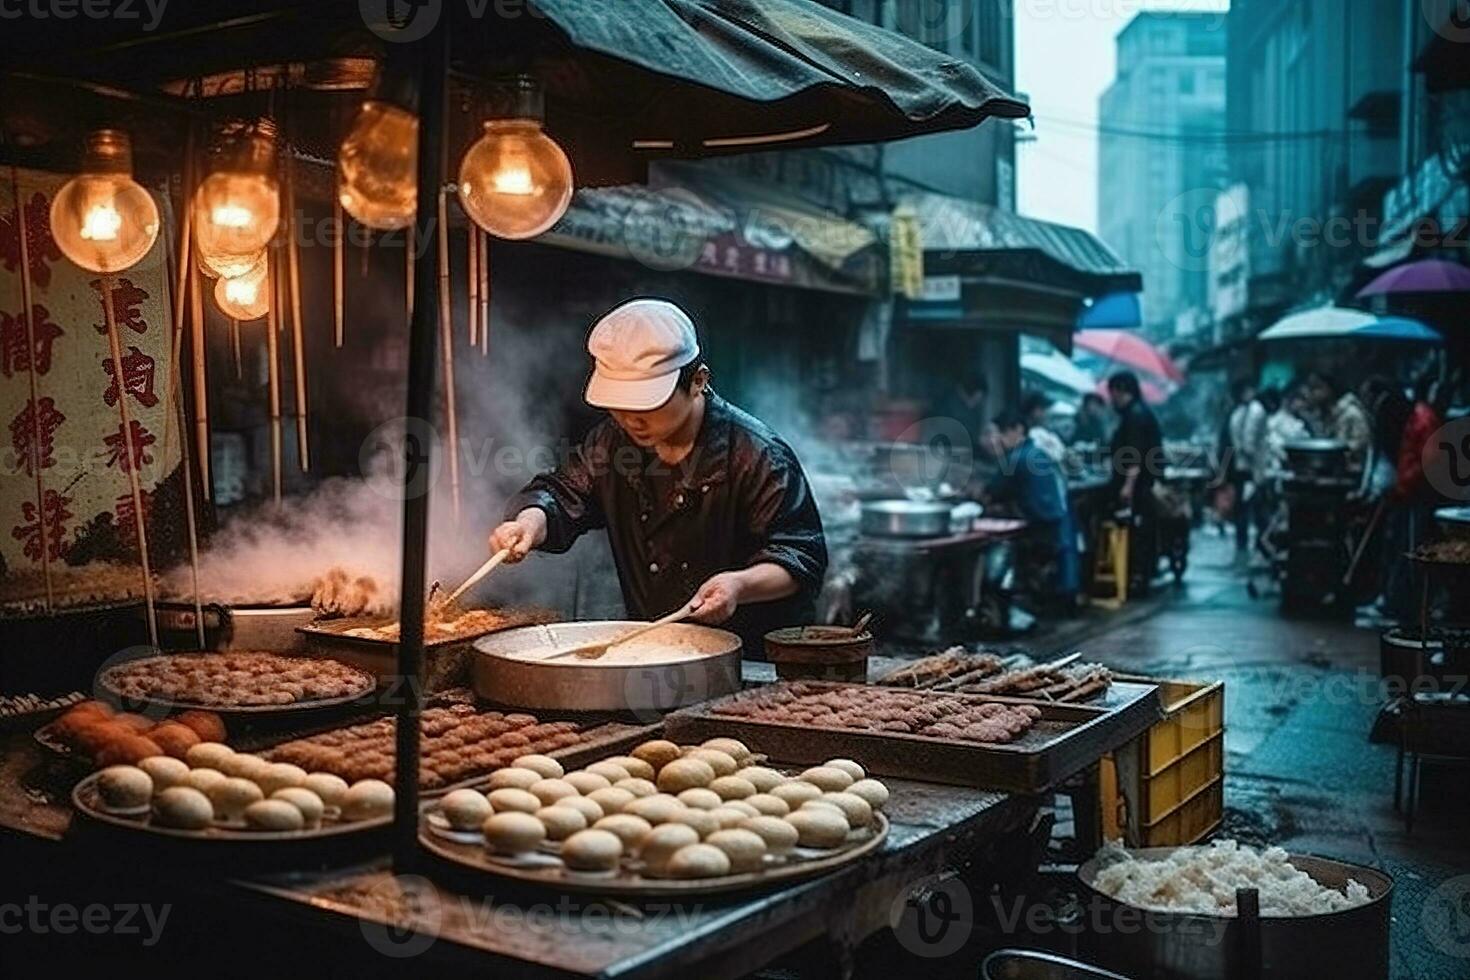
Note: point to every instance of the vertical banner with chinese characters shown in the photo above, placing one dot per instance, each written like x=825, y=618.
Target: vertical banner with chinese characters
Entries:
x=63, y=453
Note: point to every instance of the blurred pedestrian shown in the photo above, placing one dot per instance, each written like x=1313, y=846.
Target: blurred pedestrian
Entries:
x=1247, y=441
x=1092, y=426
x=965, y=401
x=1343, y=416
x=1034, y=483
x=1137, y=452
x=1034, y=406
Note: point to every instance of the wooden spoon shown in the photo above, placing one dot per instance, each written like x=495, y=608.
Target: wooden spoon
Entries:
x=595, y=649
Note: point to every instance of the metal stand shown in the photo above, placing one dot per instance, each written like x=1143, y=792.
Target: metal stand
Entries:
x=422, y=350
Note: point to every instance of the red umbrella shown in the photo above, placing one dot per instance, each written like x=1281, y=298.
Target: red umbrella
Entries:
x=1130, y=350
x=1153, y=394
x=1424, y=276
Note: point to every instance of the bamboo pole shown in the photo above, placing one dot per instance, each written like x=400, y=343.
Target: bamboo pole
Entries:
x=273, y=371
x=134, y=485
x=484, y=293
x=446, y=340
x=298, y=338
x=201, y=381
x=25, y=299
x=183, y=259
x=338, y=255
x=235, y=349
x=472, y=278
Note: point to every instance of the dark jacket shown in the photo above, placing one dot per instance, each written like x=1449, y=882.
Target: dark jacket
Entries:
x=1138, y=441
x=739, y=498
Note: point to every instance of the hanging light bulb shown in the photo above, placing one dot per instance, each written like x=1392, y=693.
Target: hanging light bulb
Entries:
x=377, y=165
x=102, y=219
x=237, y=208
x=244, y=297
x=515, y=182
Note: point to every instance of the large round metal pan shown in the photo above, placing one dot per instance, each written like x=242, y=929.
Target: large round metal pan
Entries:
x=628, y=883
x=674, y=666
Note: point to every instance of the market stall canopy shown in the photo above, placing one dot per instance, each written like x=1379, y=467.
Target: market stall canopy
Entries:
x=1016, y=273
x=1056, y=370
x=626, y=82
x=1423, y=277
x=1128, y=350
x=1339, y=322
x=1118, y=311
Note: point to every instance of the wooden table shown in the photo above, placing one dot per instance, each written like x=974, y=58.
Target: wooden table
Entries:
x=337, y=917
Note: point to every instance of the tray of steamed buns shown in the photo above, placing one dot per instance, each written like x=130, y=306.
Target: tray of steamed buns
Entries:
x=214, y=793
x=664, y=819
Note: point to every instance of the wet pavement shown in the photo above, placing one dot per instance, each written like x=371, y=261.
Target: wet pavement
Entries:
x=1302, y=695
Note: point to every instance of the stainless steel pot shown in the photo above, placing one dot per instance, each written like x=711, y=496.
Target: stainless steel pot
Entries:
x=1317, y=457
x=1347, y=945
x=701, y=663
x=1453, y=522
x=1028, y=964
x=904, y=519
x=268, y=628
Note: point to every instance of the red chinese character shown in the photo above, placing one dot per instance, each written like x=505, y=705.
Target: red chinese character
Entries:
x=33, y=434
x=13, y=353
x=127, y=520
x=117, y=448
x=40, y=246
x=126, y=298
x=53, y=519
x=137, y=378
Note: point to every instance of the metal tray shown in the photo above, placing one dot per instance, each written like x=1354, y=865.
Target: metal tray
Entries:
x=1065, y=740
x=367, y=683
x=628, y=883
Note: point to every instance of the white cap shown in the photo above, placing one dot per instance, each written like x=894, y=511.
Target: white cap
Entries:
x=639, y=348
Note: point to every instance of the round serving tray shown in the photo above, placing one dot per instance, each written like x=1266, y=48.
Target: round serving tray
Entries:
x=367, y=684
x=628, y=883
x=88, y=801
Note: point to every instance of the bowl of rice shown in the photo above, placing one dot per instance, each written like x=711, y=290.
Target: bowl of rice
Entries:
x=1172, y=912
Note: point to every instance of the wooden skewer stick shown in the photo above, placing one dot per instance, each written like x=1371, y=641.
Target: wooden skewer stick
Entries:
x=338, y=250
x=35, y=453
x=446, y=341
x=235, y=348
x=186, y=475
x=273, y=371
x=472, y=279
x=201, y=381
x=298, y=337
x=484, y=273
x=134, y=486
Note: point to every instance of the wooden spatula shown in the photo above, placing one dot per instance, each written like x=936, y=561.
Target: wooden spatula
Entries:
x=480, y=573
x=595, y=649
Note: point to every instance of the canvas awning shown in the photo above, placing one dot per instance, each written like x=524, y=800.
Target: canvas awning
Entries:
x=1015, y=273
x=716, y=226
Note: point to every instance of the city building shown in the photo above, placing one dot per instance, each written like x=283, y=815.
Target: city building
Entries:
x=1161, y=158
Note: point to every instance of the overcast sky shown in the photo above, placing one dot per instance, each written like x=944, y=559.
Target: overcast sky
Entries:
x=1064, y=62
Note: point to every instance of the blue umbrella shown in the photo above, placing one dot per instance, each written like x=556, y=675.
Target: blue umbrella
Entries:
x=1339, y=322
x=1115, y=311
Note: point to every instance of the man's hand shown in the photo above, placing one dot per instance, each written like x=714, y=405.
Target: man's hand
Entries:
x=718, y=598
x=519, y=536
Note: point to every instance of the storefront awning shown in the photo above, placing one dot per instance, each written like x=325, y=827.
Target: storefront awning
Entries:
x=722, y=227
x=1014, y=273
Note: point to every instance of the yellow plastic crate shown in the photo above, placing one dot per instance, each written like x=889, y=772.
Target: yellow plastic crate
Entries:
x=1190, y=821
x=1174, y=772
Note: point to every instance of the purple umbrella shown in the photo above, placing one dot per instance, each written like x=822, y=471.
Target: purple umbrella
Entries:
x=1424, y=276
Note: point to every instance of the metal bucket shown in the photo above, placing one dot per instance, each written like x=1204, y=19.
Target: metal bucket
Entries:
x=507, y=669
x=1347, y=945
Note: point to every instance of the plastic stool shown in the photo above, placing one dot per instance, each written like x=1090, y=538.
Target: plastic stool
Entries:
x=1110, y=567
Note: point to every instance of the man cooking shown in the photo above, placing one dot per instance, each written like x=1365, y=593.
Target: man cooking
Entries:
x=703, y=504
